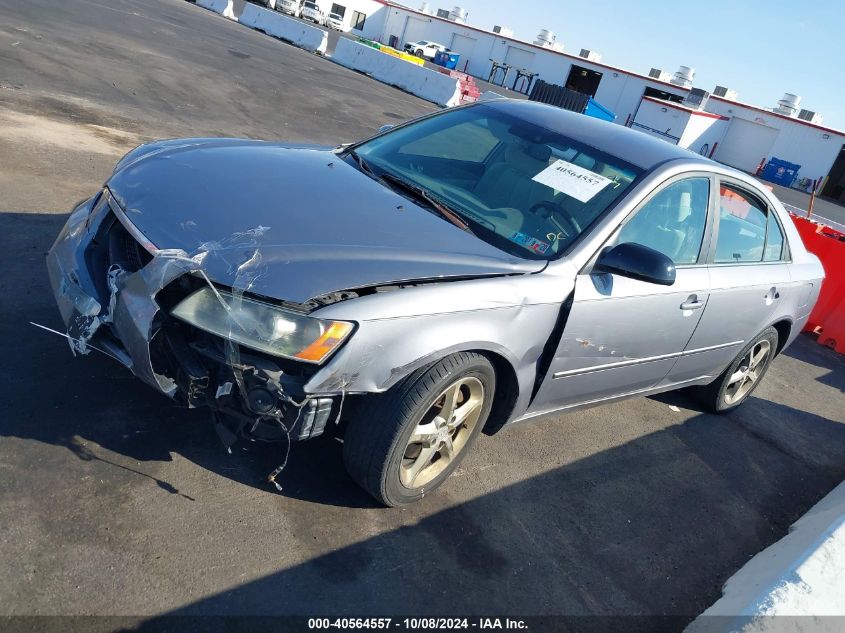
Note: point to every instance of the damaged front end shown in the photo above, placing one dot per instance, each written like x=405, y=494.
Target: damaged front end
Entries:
x=118, y=293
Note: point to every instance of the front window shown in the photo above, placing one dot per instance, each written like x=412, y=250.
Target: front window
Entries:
x=521, y=187
x=672, y=221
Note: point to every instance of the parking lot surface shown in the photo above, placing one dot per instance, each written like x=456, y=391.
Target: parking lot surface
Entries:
x=114, y=502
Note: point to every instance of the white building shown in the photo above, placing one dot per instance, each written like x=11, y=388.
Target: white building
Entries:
x=735, y=133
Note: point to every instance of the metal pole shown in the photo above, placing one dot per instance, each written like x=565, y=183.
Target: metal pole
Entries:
x=812, y=200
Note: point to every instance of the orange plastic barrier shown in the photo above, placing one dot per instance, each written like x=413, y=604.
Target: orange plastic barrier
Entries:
x=828, y=316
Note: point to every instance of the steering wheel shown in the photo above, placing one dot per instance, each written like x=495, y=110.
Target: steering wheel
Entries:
x=560, y=211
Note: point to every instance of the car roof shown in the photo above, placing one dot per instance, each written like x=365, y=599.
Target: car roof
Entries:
x=636, y=148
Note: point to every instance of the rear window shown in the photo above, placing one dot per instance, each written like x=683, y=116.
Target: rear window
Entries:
x=743, y=220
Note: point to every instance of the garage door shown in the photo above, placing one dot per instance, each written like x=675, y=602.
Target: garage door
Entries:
x=415, y=29
x=464, y=46
x=519, y=57
x=745, y=144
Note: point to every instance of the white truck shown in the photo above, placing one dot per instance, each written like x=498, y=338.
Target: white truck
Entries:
x=311, y=11
x=291, y=7
x=424, y=48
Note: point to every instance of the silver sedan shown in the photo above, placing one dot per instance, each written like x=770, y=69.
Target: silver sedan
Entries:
x=481, y=266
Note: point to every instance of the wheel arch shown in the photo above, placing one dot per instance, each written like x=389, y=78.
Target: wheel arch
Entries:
x=507, y=390
x=506, y=393
x=784, y=330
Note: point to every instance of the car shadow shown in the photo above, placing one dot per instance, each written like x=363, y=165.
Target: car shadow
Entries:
x=85, y=403
x=650, y=528
x=822, y=356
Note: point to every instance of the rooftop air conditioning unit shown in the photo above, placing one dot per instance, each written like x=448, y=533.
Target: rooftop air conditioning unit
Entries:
x=660, y=75
x=589, y=55
x=545, y=38
x=697, y=98
x=809, y=115
x=725, y=93
x=459, y=15
x=503, y=31
x=684, y=77
x=443, y=13
x=788, y=105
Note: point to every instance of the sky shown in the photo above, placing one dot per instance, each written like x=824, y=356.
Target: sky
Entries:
x=761, y=49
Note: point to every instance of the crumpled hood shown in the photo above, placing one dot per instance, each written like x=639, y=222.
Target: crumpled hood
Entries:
x=293, y=223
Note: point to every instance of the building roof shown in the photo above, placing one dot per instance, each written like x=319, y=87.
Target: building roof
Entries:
x=680, y=106
x=779, y=115
x=617, y=69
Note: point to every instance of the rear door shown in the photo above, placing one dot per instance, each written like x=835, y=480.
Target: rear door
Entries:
x=623, y=335
x=749, y=279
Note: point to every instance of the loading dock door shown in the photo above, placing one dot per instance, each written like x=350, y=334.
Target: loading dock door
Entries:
x=415, y=29
x=464, y=46
x=583, y=80
x=745, y=144
x=519, y=58
x=835, y=186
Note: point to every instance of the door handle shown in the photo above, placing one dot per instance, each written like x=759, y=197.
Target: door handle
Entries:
x=770, y=296
x=692, y=303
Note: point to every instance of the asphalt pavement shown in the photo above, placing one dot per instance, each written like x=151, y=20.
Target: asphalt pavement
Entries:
x=115, y=502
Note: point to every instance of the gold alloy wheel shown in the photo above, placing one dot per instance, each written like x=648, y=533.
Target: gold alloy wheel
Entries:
x=748, y=372
x=442, y=432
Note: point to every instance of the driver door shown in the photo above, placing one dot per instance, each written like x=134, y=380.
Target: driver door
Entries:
x=624, y=335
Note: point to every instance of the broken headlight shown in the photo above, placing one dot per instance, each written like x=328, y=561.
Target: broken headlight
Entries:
x=262, y=326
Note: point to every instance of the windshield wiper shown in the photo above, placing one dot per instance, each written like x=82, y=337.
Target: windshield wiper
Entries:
x=364, y=165
x=444, y=211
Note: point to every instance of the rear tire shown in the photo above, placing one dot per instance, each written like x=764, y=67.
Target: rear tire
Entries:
x=405, y=443
x=740, y=379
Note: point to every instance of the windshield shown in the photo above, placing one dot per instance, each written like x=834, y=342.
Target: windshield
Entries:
x=521, y=187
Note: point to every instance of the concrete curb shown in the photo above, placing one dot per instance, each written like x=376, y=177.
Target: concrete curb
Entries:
x=427, y=84
x=223, y=7
x=309, y=38
x=803, y=574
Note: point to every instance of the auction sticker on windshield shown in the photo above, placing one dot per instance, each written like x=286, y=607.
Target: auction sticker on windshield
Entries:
x=582, y=184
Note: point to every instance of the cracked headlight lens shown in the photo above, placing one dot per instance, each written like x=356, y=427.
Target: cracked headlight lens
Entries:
x=263, y=326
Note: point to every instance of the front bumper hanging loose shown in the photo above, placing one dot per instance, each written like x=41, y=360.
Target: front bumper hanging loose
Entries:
x=110, y=302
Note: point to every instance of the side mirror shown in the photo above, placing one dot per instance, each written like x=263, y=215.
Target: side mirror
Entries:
x=385, y=128
x=637, y=262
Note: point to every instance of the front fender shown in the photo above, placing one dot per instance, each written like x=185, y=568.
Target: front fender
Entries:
x=384, y=351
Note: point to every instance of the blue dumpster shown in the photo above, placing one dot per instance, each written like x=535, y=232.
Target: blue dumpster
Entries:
x=780, y=172
x=597, y=110
x=447, y=59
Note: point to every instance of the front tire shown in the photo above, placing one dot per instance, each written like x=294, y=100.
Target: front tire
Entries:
x=740, y=379
x=404, y=443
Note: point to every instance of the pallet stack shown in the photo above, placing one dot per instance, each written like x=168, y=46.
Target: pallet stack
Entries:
x=469, y=90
